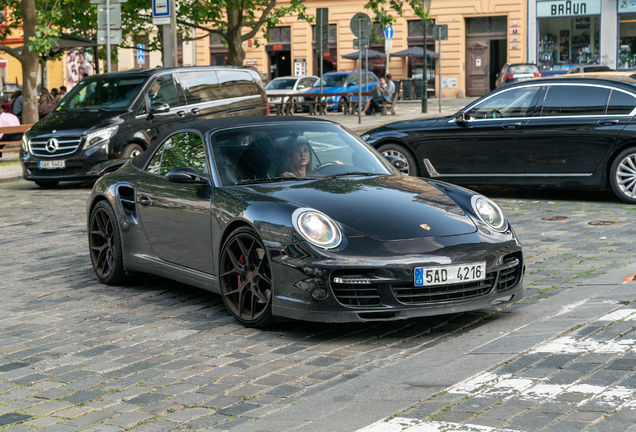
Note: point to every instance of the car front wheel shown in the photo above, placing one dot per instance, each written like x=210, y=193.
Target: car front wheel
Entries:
x=104, y=241
x=246, y=278
x=623, y=175
x=410, y=168
x=132, y=150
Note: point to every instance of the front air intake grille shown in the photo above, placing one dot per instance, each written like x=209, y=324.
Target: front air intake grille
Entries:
x=355, y=290
x=509, y=277
x=54, y=146
x=56, y=172
x=410, y=294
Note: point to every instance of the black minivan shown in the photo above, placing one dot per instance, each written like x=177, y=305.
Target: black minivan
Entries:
x=117, y=115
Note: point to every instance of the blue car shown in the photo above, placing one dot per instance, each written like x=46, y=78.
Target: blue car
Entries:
x=340, y=82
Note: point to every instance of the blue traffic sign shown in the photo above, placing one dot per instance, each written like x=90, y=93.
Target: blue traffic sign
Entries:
x=160, y=8
x=141, y=54
x=388, y=32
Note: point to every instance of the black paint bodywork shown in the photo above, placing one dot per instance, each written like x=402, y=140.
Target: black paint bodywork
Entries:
x=539, y=151
x=180, y=237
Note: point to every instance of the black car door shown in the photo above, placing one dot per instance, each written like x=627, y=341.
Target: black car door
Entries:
x=203, y=94
x=163, y=90
x=572, y=131
x=176, y=216
x=488, y=143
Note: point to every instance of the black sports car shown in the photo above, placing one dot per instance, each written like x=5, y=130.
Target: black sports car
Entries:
x=296, y=218
x=566, y=132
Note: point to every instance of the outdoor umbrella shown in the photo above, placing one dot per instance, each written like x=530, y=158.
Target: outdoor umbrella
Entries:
x=373, y=54
x=415, y=51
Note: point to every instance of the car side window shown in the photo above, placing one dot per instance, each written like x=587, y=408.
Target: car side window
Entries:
x=155, y=162
x=183, y=150
x=200, y=87
x=505, y=104
x=353, y=79
x=372, y=79
x=568, y=100
x=163, y=90
x=620, y=103
x=237, y=84
x=305, y=82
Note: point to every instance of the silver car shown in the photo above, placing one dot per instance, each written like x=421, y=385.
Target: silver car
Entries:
x=285, y=85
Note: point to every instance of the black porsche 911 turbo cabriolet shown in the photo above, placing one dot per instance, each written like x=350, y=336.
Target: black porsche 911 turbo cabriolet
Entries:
x=297, y=218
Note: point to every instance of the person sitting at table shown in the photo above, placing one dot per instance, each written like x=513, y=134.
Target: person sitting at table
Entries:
x=387, y=91
x=376, y=96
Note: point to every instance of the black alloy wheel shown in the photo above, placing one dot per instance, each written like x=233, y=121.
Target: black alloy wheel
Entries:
x=105, y=245
x=246, y=278
x=404, y=155
x=623, y=175
x=46, y=183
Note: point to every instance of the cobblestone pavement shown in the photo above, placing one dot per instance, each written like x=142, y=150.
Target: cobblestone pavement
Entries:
x=160, y=355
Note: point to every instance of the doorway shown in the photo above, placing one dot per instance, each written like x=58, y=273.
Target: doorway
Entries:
x=280, y=64
x=486, y=52
x=498, y=57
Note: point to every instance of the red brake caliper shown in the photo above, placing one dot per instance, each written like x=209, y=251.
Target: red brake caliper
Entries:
x=240, y=280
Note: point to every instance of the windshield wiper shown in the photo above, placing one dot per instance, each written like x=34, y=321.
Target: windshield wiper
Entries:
x=272, y=179
x=356, y=173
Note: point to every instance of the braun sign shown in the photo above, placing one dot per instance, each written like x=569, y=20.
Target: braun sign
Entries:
x=564, y=8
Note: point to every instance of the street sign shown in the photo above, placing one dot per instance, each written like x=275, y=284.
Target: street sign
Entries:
x=115, y=16
x=141, y=54
x=365, y=44
x=444, y=32
x=361, y=23
x=388, y=45
x=322, y=30
x=115, y=37
x=160, y=12
x=388, y=33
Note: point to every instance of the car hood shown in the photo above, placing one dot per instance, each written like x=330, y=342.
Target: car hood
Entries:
x=383, y=208
x=73, y=122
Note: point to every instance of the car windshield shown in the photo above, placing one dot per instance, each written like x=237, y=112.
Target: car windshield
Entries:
x=331, y=81
x=102, y=92
x=523, y=69
x=281, y=84
x=291, y=152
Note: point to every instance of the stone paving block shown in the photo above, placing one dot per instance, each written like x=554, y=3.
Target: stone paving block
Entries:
x=10, y=418
x=59, y=428
x=248, y=390
x=454, y=416
x=237, y=410
x=284, y=390
x=83, y=396
x=231, y=424
x=154, y=426
x=148, y=398
x=105, y=428
x=214, y=389
x=502, y=412
x=46, y=408
x=160, y=408
x=42, y=422
x=204, y=422
x=189, y=399
x=567, y=426
x=607, y=425
x=475, y=405
x=91, y=418
x=188, y=415
x=127, y=420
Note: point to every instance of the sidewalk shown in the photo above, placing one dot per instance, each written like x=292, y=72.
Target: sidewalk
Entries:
x=10, y=168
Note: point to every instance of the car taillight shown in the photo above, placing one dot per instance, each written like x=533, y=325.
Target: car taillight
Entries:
x=267, y=106
x=538, y=75
x=509, y=76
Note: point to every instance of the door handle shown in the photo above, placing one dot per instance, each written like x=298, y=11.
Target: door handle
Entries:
x=195, y=111
x=608, y=122
x=511, y=125
x=181, y=113
x=144, y=200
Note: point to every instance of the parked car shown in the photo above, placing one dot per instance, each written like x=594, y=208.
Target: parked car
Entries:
x=570, y=132
x=513, y=73
x=117, y=115
x=589, y=68
x=340, y=82
x=212, y=204
x=284, y=85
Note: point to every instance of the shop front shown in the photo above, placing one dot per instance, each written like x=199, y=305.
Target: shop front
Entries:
x=627, y=34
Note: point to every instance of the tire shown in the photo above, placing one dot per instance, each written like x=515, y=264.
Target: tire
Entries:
x=402, y=153
x=46, y=183
x=132, y=150
x=341, y=102
x=246, y=279
x=104, y=242
x=623, y=175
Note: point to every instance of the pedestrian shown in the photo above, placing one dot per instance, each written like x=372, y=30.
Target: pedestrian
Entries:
x=6, y=120
x=62, y=90
x=16, y=104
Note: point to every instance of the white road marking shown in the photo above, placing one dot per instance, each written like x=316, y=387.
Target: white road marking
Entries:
x=621, y=314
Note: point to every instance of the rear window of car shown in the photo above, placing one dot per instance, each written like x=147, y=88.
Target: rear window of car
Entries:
x=200, y=86
x=575, y=100
x=237, y=84
x=523, y=69
x=620, y=103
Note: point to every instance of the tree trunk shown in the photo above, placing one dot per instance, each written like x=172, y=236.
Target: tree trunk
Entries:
x=235, y=51
x=30, y=61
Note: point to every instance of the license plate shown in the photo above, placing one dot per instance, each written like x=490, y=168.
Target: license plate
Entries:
x=56, y=164
x=425, y=276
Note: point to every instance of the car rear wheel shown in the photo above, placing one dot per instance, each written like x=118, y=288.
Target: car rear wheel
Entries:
x=132, y=150
x=104, y=241
x=623, y=175
x=246, y=278
x=403, y=154
x=46, y=183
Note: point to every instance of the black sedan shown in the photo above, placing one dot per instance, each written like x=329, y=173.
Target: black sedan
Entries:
x=569, y=132
x=300, y=219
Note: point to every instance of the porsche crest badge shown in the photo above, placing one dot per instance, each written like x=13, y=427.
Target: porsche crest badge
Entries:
x=425, y=227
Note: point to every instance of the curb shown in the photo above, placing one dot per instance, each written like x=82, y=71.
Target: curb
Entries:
x=10, y=179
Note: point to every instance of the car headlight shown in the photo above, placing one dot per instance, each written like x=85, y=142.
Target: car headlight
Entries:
x=317, y=228
x=94, y=138
x=25, y=143
x=489, y=213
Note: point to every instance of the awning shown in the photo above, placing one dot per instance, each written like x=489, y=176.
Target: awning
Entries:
x=373, y=54
x=415, y=51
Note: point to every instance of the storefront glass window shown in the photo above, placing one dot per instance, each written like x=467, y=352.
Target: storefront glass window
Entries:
x=627, y=41
x=568, y=41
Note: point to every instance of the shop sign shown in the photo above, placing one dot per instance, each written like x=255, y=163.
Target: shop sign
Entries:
x=250, y=62
x=564, y=8
x=277, y=47
x=626, y=6
x=300, y=67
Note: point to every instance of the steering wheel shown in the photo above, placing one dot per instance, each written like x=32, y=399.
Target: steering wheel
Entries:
x=495, y=113
x=323, y=167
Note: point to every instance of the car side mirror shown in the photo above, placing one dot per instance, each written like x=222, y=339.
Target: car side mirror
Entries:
x=186, y=175
x=159, y=107
x=351, y=84
x=396, y=161
x=460, y=117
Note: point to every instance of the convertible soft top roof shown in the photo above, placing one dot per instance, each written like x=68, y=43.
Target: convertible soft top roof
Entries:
x=211, y=125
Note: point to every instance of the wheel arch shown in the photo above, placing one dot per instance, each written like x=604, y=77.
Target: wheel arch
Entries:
x=407, y=147
x=231, y=227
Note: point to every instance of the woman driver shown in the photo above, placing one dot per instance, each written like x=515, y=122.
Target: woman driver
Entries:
x=299, y=160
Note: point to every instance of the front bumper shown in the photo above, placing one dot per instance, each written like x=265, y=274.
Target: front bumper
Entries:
x=77, y=165
x=301, y=271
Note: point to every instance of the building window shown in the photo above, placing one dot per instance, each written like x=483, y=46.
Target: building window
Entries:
x=627, y=41
x=415, y=28
x=568, y=41
x=415, y=39
x=496, y=24
x=218, y=51
x=279, y=35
